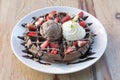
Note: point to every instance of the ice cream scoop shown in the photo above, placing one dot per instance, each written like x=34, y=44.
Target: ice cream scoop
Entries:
x=51, y=30
x=73, y=31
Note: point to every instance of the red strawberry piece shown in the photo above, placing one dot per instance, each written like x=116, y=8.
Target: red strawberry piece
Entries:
x=66, y=18
x=68, y=50
x=75, y=43
x=80, y=14
x=54, y=45
x=51, y=14
x=47, y=18
x=54, y=51
x=40, y=21
x=32, y=34
x=82, y=43
x=44, y=44
x=31, y=26
x=82, y=23
x=57, y=19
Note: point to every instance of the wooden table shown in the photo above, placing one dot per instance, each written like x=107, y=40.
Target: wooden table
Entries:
x=107, y=68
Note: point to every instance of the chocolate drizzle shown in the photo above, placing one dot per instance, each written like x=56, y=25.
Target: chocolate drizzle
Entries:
x=21, y=37
x=84, y=60
x=24, y=24
x=37, y=60
x=84, y=18
x=89, y=24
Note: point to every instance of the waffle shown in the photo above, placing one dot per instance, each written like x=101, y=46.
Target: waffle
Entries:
x=33, y=40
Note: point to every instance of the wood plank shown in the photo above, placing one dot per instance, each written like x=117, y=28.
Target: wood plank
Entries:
x=106, y=14
x=5, y=57
x=80, y=75
x=70, y=3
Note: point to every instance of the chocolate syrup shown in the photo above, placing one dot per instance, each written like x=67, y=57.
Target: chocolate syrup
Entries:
x=87, y=59
x=34, y=18
x=89, y=24
x=43, y=63
x=23, y=43
x=24, y=25
x=84, y=18
x=28, y=57
x=21, y=37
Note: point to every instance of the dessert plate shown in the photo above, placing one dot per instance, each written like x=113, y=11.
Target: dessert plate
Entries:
x=98, y=46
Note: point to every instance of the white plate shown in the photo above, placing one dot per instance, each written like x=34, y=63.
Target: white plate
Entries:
x=98, y=46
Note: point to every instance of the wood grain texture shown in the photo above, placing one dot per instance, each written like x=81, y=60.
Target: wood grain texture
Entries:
x=107, y=68
x=106, y=14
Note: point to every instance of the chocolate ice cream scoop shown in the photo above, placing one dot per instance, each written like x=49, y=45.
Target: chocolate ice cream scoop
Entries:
x=51, y=30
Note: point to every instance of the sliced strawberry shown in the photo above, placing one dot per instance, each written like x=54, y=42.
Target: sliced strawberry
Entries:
x=31, y=26
x=57, y=19
x=83, y=24
x=75, y=43
x=54, y=51
x=44, y=44
x=32, y=34
x=47, y=18
x=51, y=14
x=80, y=14
x=54, y=45
x=82, y=43
x=66, y=18
x=68, y=50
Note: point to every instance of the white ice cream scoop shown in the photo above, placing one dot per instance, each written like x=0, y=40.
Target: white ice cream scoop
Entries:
x=73, y=31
